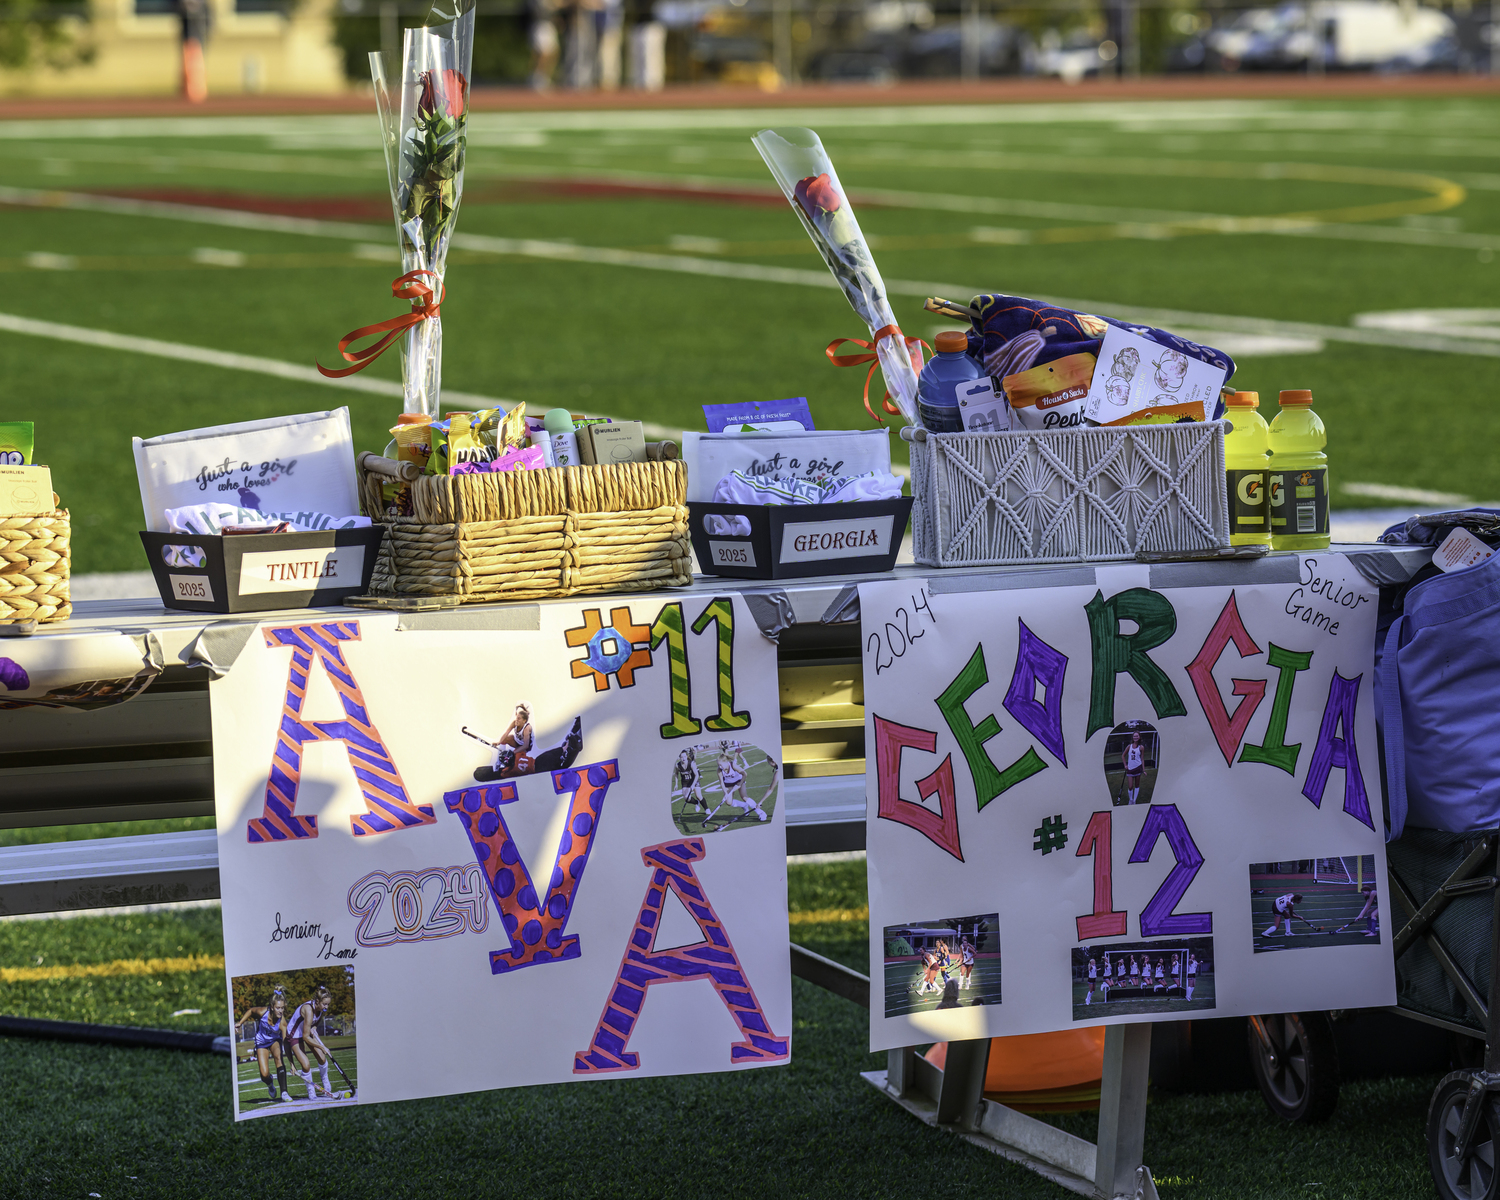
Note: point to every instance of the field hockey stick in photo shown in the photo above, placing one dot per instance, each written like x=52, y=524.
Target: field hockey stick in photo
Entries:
x=465, y=731
x=340, y=1070
x=1310, y=925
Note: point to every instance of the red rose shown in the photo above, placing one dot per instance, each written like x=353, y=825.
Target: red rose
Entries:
x=443, y=92
x=817, y=191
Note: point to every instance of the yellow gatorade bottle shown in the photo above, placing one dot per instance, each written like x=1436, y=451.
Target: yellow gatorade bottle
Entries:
x=1246, y=461
x=1299, y=476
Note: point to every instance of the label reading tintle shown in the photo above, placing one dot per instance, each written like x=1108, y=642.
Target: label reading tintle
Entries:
x=863, y=537
x=301, y=570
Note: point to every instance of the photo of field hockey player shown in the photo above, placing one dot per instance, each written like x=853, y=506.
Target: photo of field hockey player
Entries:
x=953, y=962
x=1314, y=902
x=723, y=785
x=1130, y=762
x=515, y=751
x=1172, y=975
x=298, y=1024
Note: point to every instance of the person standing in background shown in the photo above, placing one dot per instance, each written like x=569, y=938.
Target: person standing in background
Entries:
x=544, y=43
x=197, y=19
x=610, y=25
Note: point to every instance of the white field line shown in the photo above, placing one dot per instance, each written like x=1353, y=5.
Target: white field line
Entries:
x=1384, y=491
x=1146, y=116
x=1153, y=222
x=354, y=128
x=749, y=272
x=106, y=340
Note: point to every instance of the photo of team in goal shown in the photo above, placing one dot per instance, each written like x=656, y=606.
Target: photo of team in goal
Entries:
x=723, y=785
x=946, y=963
x=1314, y=902
x=298, y=1024
x=1170, y=975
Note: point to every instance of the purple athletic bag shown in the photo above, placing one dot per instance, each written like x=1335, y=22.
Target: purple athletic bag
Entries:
x=1438, y=678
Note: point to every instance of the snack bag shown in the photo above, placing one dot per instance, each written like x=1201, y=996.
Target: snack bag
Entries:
x=1051, y=395
x=17, y=442
x=1011, y=335
x=1162, y=414
x=465, y=443
x=512, y=433
x=437, y=461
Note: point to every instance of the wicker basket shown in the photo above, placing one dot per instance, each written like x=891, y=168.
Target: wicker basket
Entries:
x=528, y=535
x=1091, y=495
x=34, y=565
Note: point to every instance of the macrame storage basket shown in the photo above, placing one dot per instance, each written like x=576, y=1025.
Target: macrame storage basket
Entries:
x=1070, y=495
x=34, y=563
x=528, y=535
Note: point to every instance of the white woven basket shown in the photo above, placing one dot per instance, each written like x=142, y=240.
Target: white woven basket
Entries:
x=1074, y=495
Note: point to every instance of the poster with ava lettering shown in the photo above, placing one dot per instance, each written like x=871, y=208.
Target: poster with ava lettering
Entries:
x=454, y=859
x=1122, y=802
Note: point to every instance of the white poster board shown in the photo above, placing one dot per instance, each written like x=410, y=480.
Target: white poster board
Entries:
x=601, y=892
x=1088, y=803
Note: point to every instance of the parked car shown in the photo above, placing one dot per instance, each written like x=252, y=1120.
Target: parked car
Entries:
x=1071, y=57
x=1332, y=35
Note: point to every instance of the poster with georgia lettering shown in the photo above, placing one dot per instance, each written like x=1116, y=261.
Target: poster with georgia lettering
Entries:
x=1122, y=802
x=454, y=859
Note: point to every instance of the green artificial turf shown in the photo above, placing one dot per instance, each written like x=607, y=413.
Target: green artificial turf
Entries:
x=656, y=345
x=151, y=1123
x=78, y=833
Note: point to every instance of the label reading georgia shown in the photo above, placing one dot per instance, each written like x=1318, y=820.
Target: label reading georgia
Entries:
x=1249, y=502
x=862, y=537
x=1299, y=501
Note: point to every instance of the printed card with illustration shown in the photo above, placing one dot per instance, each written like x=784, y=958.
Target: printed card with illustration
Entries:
x=1135, y=373
x=545, y=854
x=1127, y=802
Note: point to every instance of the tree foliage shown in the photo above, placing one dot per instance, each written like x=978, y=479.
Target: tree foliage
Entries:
x=35, y=33
x=254, y=991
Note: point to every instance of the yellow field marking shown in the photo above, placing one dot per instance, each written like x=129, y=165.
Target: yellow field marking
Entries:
x=829, y=916
x=120, y=966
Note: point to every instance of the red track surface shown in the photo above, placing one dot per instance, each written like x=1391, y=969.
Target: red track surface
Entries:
x=1281, y=87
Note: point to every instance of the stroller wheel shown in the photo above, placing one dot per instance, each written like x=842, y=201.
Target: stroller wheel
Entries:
x=1472, y=1176
x=1296, y=1065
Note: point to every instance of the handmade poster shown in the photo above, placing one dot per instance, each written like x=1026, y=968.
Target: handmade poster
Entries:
x=454, y=859
x=1121, y=802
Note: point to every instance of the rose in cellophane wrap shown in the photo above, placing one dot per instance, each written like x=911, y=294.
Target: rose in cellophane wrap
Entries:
x=806, y=176
x=423, y=103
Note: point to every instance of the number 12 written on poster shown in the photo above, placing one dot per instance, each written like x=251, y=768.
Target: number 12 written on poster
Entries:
x=1158, y=918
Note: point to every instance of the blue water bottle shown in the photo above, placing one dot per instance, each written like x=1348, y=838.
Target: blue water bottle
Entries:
x=937, y=386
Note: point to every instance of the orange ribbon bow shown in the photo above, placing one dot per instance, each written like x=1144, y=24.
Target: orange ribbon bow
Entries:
x=854, y=360
x=423, y=308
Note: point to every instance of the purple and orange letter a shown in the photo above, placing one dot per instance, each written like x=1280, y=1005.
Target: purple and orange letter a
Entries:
x=713, y=959
x=387, y=805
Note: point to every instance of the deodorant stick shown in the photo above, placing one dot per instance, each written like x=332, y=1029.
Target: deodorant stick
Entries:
x=559, y=423
x=542, y=440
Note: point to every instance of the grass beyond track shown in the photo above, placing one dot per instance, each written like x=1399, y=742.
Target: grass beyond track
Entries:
x=622, y=289
x=157, y=1124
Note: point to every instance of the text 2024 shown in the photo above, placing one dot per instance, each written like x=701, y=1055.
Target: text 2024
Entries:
x=894, y=640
